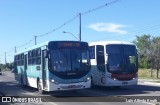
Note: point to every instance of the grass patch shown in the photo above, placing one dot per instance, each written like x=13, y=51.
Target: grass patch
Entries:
x=157, y=81
x=146, y=74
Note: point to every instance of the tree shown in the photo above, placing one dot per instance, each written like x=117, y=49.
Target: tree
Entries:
x=144, y=48
x=6, y=66
x=156, y=54
x=149, y=51
x=9, y=65
x=2, y=66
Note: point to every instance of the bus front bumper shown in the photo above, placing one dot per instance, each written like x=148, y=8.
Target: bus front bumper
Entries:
x=72, y=86
x=112, y=82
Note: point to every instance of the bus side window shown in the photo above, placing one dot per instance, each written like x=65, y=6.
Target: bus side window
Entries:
x=100, y=58
x=22, y=59
x=92, y=52
x=38, y=56
x=33, y=57
x=30, y=58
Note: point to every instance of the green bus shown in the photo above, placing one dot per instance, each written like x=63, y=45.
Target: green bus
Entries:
x=54, y=66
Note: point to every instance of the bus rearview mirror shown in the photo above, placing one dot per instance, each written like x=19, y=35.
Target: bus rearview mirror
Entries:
x=46, y=53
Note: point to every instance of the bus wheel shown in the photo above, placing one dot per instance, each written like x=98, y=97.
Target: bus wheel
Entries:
x=92, y=84
x=39, y=86
x=117, y=87
x=22, y=83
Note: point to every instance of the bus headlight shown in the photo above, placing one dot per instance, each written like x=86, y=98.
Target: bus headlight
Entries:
x=53, y=81
x=114, y=79
x=87, y=79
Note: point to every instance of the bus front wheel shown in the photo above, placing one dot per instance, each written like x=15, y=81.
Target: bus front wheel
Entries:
x=92, y=84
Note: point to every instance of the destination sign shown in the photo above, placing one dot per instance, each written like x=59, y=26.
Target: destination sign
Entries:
x=68, y=44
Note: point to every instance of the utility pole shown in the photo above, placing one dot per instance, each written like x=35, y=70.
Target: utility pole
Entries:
x=5, y=58
x=35, y=39
x=15, y=49
x=79, y=26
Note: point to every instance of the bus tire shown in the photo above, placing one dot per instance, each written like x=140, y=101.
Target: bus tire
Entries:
x=116, y=87
x=39, y=86
x=22, y=83
x=92, y=84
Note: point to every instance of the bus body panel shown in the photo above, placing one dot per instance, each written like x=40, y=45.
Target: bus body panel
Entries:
x=97, y=76
x=111, y=82
x=61, y=84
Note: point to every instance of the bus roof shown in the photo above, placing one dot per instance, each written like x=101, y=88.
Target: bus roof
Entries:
x=40, y=45
x=33, y=47
x=109, y=42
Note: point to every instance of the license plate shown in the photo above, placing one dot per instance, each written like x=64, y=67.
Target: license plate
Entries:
x=71, y=86
x=124, y=83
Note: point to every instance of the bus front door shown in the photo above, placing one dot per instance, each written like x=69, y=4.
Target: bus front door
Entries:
x=44, y=68
x=24, y=79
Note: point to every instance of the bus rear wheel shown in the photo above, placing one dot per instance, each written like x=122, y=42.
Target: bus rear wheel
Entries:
x=22, y=83
x=39, y=86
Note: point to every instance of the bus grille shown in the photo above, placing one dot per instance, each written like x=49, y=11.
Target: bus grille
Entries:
x=71, y=87
x=123, y=76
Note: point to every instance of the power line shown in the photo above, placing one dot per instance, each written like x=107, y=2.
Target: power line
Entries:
x=102, y=6
x=10, y=51
x=72, y=19
x=67, y=22
x=62, y=25
x=59, y=27
x=25, y=44
x=147, y=29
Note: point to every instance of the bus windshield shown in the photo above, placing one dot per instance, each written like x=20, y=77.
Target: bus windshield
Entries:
x=69, y=62
x=122, y=58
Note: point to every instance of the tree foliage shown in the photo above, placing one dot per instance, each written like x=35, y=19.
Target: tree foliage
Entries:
x=6, y=66
x=149, y=52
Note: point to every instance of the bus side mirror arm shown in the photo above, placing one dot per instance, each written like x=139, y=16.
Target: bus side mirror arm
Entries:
x=46, y=54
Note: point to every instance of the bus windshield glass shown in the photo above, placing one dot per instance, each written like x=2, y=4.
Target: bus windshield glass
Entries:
x=70, y=60
x=122, y=58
